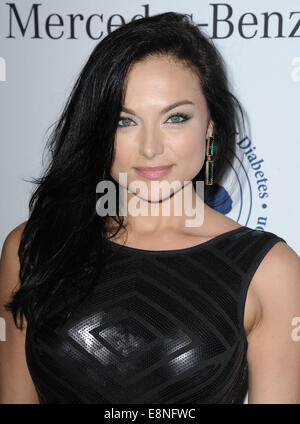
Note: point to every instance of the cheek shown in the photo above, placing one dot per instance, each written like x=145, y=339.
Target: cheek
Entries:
x=121, y=159
x=190, y=150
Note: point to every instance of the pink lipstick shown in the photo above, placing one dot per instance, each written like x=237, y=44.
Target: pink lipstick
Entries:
x=153, y=172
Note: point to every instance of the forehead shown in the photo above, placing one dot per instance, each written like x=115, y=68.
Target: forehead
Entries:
x=162, y=77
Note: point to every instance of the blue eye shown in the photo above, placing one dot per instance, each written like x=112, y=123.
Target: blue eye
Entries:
x=179, y=115
x=176, y=115
x=124, y=119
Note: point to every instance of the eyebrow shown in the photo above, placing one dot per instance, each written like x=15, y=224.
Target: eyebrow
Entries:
x=166, y=109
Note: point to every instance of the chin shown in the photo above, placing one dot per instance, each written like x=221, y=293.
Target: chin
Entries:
x=154, y=198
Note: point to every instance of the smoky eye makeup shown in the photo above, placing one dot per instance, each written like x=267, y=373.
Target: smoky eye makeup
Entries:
x=180, y=118
x=185, y=117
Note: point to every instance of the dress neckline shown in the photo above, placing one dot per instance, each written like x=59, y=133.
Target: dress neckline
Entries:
x=129, y=249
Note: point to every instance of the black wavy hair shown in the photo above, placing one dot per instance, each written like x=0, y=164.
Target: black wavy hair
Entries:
x=61, y=248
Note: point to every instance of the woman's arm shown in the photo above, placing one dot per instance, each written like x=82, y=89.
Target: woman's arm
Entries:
x=273, y=346
x=16, y=385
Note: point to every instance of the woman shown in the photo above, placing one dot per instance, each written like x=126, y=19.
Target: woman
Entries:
x=128, y=308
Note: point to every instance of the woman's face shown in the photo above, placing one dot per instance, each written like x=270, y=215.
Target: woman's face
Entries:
x=149, y=136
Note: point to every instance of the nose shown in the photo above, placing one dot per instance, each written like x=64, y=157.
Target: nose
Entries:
x=151, y=144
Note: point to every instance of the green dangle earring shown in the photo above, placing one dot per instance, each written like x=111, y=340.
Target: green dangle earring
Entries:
x=209, y=161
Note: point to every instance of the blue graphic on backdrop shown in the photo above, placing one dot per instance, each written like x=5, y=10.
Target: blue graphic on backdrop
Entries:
x=240, y=203
x=220, y=200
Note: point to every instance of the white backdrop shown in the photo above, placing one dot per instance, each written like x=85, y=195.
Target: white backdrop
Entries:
x=43, y=47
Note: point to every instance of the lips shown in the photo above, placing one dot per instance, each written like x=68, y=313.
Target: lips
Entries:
x=153, y=172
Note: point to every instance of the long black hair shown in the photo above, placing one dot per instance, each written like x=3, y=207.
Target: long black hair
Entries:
x=61, y=248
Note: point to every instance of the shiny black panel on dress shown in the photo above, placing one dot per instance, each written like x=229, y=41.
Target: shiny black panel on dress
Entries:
x=160, y=327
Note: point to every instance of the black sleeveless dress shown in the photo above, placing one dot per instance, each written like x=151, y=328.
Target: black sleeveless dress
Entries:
x=161, y=327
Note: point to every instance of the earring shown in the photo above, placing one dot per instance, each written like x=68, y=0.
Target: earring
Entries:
x=209, y=161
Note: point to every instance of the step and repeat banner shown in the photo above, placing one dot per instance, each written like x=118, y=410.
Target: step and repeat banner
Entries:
x=43, y=46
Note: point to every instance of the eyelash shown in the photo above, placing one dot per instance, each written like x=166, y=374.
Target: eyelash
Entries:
x=182, y=115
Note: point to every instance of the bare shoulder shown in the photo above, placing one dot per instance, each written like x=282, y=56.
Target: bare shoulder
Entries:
x=9, y=263
x=12, y=241
x=280, y=267
x=273, y=353
x=16, y=385
x=276, y=282
x=14, y=236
